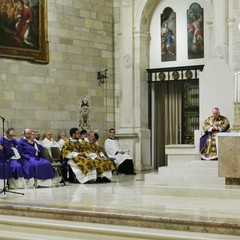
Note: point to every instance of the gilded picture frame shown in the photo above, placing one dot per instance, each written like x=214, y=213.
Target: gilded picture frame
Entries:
x=24, y=33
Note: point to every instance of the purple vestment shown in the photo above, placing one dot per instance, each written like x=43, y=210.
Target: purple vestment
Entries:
x=19, y=167
x=5, y=171
x=32, y=152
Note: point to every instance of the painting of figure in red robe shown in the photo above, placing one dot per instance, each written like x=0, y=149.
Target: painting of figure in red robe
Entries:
x=22, y=26
x=195, y=31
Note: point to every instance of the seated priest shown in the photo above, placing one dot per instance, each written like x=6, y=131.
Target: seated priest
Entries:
x=211, y=127
x=114, y=150
x=32, y=152
x=21, y=170
x=49, y=142
x=105, y=166
x=83, y=167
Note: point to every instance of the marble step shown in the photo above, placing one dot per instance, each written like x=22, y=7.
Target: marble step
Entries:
x=195, y=173
x=196, y=191
x=193, y=170
x=198, y=163
x=184, y=178
x=12, y=227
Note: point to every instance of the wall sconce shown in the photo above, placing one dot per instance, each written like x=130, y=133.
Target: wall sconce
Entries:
x=101, y=76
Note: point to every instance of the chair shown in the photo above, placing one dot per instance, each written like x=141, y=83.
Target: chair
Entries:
x=45, y=154
x=112, y=159
x=56, y=161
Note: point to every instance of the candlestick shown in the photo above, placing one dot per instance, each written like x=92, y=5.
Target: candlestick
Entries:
x=238, y=88
x=235, y=87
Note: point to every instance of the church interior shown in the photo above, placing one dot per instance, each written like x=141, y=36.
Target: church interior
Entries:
x=151, y=69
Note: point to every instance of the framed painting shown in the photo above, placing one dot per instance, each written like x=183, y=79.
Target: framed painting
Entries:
x=23, y=26
x=168, y=35
x=195, y=27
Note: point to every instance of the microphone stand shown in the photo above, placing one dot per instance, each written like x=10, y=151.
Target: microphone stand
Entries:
x=4, y=190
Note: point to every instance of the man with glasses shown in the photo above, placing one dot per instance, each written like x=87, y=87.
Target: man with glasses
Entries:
x=114, y=150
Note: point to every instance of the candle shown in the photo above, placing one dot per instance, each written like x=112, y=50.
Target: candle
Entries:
x=238, y=86
x=235, y=87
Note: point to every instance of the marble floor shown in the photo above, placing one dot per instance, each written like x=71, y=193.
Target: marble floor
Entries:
x=127, y=201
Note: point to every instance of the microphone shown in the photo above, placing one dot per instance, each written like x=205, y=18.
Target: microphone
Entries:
x=2, y=118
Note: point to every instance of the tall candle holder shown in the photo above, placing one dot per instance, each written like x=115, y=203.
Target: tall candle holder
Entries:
x=236, y=117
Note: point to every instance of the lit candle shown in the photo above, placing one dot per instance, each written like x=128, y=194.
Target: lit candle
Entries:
x=235, y=87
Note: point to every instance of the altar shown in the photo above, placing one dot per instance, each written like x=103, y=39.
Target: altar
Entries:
x=228, y=148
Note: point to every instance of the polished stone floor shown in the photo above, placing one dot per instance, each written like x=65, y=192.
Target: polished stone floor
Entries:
x=126, y=201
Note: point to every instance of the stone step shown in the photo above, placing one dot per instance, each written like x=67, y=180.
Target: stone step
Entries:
x=13, y=227
x=203, y=164
x=182, y=170
x=193, y=191
x=184, y=179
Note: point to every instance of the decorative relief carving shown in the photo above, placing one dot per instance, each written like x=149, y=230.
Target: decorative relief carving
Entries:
x=144, y=21
x=219, y=52
x=84, y=113
x=236, y=118
x=127, y=61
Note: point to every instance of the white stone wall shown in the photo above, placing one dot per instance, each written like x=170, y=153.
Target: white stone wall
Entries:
x=87, y=36
x=45, y=97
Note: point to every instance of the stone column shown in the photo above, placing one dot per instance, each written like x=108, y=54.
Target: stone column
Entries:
x=126, y=111
x=124, y=83
x=220, y=36
x=141, y=60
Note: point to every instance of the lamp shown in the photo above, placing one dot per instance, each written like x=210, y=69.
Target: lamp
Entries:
x=101, y=76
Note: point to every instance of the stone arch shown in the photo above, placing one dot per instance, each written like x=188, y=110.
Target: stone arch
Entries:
x=142, y=20
x=144, y=14
x=141, y=36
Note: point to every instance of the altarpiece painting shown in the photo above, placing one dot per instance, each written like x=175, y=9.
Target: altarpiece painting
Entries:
x=168, y=35
x=195, y=28
x=23, y=26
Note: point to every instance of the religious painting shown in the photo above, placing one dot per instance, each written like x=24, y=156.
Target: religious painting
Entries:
x=23, y=26
x=168, y=35
x=195, y=28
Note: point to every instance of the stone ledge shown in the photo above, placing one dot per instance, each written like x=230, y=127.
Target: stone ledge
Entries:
x=180, y=146
x=127, y=135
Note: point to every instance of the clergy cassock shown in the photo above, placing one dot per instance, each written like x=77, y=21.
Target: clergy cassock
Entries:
x=43, y=169
x=104, y=165
x=208, y=146
x=83, y=167
x=5, y=171
x=20, y=168
x=124, y=161
x=112, y=146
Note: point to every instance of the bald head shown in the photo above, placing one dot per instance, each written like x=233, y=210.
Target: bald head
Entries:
x=27, y=133
x=216, y=112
